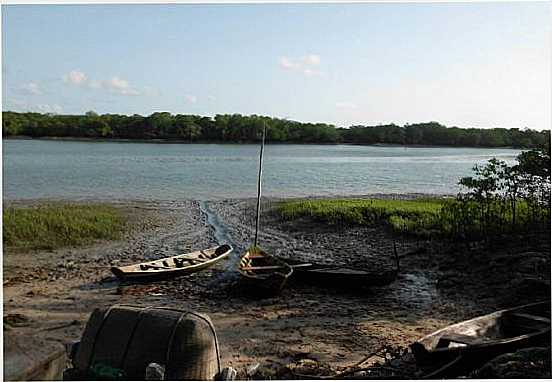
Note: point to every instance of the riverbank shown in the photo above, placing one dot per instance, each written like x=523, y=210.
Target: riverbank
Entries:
x=48, y=295
x=222, y=142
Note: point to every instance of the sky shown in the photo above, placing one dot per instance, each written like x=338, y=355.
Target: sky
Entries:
x=461, y=64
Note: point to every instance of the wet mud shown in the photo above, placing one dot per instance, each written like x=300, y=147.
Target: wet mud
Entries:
x=328, y=327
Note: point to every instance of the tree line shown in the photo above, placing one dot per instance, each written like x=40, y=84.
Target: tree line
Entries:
x=241, y=128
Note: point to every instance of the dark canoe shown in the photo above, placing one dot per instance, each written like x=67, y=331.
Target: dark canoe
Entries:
x=266, y=274
x=173, y=266
x=337, y=276
x=333, y=276
x=460, y=348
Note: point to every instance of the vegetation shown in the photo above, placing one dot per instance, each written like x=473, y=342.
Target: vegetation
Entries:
x=499, y=199
x=58, y=225
x=503, y=199
x=419, y=216
x=433, y=133
x=239, y=128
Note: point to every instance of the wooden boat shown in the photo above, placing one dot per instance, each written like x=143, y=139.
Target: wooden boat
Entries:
x=173, y=266
x=337, y=276
x=460, y=348
x=265, y=273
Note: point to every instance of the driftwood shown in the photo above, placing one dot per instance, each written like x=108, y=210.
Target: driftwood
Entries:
x=348, y=370
x=74, y=322
x=443, y=369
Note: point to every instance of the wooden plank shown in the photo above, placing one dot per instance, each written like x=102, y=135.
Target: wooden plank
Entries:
x=28, y=358
x=305, y=265
x=269, y=267
x=263, y=268
x=203, y=255
x=532, y=317
x=253, y=256
x=187, y=260
x=441, y=371
x=461, y=339
x=150, y=266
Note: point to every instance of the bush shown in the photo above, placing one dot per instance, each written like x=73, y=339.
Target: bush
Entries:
x=499, y=199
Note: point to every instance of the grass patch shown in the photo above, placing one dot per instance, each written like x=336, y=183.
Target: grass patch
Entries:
x=418, y=217
x=445, y=218
x=57, y=225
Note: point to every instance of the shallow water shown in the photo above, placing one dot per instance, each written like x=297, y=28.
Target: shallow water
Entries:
x=415, y=290
x=222, y=236
x=147, y=171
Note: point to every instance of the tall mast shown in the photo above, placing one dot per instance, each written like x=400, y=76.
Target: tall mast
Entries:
x=259, y=186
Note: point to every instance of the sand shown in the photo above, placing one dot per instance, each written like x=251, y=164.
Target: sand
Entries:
x=49, y=295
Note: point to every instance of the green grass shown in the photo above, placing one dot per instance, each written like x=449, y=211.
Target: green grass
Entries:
x=57, y=225
x=448, y=218
x=419, y=217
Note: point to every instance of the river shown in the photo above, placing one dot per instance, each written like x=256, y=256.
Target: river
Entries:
x=73, y=170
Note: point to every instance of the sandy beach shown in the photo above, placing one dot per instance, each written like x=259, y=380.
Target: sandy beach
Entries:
x=48, y=295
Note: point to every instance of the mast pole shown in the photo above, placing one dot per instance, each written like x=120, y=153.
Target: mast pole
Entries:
x=259, y=186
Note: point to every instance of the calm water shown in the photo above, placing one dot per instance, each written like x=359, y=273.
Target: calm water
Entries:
x=82, y=170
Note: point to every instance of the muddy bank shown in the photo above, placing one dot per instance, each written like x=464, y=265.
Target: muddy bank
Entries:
x=54, y=292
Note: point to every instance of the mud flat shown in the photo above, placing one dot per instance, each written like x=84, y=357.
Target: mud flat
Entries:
x=49, y=295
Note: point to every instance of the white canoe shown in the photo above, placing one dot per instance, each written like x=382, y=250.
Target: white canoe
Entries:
x=173, y=266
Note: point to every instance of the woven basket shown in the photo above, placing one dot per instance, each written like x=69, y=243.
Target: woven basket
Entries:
x=128, y=338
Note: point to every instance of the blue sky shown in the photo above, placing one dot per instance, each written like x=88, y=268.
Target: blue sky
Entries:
x=463, y=64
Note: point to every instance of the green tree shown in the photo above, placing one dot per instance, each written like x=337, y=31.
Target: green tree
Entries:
x=186, y=127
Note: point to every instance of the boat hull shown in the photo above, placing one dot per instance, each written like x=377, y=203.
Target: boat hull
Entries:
x=337, y=276
x=167, y=267
x=463, y=347
x=268, y=281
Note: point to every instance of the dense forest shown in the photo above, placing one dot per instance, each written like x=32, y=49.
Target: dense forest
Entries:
x=240, y=128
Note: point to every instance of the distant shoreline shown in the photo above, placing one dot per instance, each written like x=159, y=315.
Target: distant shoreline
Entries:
x=187, y=142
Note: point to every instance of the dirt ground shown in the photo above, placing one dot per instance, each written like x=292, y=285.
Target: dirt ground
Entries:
x=49, y=295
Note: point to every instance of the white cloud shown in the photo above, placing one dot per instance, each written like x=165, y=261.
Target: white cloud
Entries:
x=346, y=105
x=120, y=86
x=14, y=103
x=115, y=84
x=189, y=98
x=32, y=88
x=50, y=109
x=118, y=83
x=75, y=77
x=311, y=72
x=286, y=63
x=306, y=64
x=17, y=102
x=149, y=91
x=95, y=84
x=312, y=59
